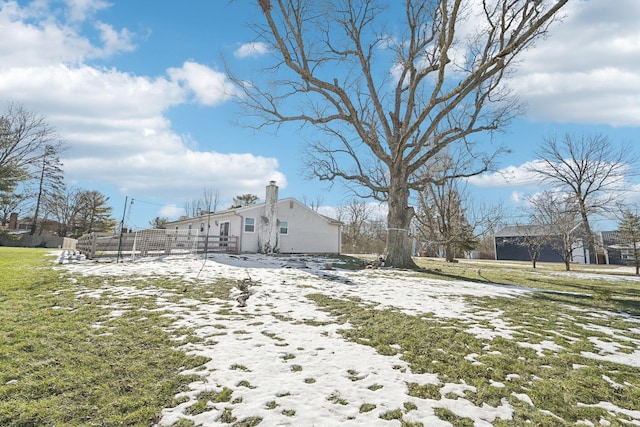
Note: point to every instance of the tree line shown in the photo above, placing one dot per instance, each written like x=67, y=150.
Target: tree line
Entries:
x=32, y=181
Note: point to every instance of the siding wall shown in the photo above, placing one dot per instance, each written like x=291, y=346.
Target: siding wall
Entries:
x=308, y=232
x=508, y=249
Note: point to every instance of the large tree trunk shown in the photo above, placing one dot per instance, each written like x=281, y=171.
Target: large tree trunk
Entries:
x=398, y=223
x=449, y=252
x=593, y=256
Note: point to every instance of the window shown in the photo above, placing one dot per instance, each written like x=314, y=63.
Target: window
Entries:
x=249, y=225
x=284, y=227
x=202, y=227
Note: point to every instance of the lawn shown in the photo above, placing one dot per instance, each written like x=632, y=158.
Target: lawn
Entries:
x=164, y=341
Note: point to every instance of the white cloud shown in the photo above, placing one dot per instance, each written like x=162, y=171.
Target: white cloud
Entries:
x=249, y=50
x=36, y=44
x=80, y=10
x=506, y=177
x=171, y=211
x=114, y=41
x=210, y=87
x=34, y=36
x=588, y=69
x=517, y=197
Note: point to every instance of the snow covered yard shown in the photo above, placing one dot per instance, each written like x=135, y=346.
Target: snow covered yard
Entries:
x=317, y=347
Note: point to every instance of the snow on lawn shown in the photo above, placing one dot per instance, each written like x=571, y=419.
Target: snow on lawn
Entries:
x=281, y=354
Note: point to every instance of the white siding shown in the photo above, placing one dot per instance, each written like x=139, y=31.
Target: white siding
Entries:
x=308, y=231
x=249, y=241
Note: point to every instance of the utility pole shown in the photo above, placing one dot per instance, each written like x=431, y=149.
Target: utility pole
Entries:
x=126, y=199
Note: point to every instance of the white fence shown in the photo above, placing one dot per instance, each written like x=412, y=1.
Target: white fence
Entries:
x=153, y=243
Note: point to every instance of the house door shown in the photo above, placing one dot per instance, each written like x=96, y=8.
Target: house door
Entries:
x=224, y=233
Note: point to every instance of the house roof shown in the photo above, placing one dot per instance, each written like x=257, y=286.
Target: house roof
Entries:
x=531, y=230
x=521, y=230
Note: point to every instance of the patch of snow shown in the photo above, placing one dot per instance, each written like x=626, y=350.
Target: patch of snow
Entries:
x=542, y=346
x=457, y=389
x=609, y=351
x=523, y=397
x=611, y=408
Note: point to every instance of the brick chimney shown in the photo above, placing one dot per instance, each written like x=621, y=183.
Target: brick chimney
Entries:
x=13, y=221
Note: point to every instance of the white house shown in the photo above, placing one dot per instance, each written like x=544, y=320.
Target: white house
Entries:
x=285, y=226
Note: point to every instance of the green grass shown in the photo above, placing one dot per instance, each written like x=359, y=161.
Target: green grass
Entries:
x=57, y=369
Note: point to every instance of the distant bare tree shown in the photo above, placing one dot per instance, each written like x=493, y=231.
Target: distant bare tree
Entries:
x=390, y=95
x=354, y=215
x=558, y=214
x=209, y=202
x=448, y=217
x=534, y=237
x=25, y=139
x=315, y=204
x=12, y=201
x=210, y=199
x=591, y=168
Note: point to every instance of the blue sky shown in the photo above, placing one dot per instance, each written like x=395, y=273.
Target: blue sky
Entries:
x=138, y=91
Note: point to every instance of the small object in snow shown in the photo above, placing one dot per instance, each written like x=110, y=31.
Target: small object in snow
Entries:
x=242, y=300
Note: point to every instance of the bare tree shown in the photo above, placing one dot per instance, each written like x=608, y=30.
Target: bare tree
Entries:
x=315, y=204
x=389, y=98
x=12, y=201
x=25, y=139
x=210, y=199
x=190, y=207
x=355, y=215
x=442, y=205
x=558, y=214
x=207, y=203
x=591, y=168
x=534, y=237
x=61, y=210
x=448, y=216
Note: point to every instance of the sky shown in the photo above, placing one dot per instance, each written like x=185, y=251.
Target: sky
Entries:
x=280, y=328
x=138, y=91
